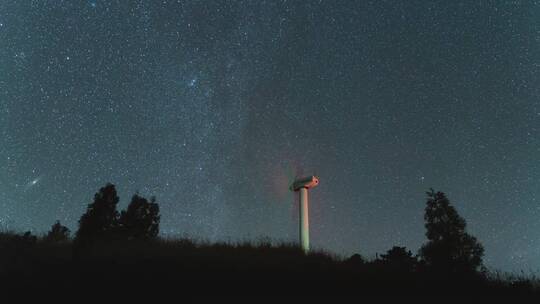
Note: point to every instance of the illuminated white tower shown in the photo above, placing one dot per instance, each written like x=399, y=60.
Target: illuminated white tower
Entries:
x=302, y=185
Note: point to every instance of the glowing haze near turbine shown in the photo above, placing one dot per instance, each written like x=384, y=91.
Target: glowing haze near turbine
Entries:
x=206, y=103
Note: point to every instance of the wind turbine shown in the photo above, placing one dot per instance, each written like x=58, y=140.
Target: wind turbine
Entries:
x=302, y=185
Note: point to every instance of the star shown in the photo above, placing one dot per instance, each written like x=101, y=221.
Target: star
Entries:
x=200, y=103
x=192, y=82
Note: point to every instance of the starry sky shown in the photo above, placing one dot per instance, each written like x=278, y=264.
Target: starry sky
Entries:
x=213, y=106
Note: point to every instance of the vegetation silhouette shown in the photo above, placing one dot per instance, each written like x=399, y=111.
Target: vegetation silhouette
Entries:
x=114, y=251
x=399, y=260
x=100, y=222
x=58, y=233
x=450, y=249
x=141, y=219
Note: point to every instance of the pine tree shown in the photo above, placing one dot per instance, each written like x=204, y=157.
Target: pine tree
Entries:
x=100, y=221
x=141, y=219
x=449, y=248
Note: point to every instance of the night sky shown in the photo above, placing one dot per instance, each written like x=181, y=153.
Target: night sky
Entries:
x=211, y=106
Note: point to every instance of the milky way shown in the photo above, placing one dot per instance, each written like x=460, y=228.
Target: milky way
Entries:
x=212, y=106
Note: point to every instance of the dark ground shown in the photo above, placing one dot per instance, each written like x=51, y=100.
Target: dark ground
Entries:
x=184, y=269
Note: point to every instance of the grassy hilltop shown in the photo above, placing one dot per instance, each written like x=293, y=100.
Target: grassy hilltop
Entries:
x=190, y=268
x=122, y=251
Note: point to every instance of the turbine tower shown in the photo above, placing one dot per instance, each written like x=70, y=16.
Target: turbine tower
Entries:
x=302, y=185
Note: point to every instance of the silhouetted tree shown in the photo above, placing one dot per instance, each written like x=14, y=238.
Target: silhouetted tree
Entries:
x=399, y=259
x=355, y=260
x=141, y=219
x=58, y=233
x=100, y=221
x=449, y=248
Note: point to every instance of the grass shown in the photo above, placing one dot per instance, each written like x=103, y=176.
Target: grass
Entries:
x=202, y=268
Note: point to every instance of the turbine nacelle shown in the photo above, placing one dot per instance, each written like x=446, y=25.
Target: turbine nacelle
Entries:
x=305, y=182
